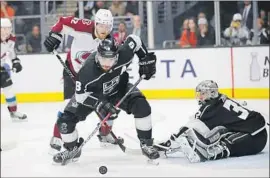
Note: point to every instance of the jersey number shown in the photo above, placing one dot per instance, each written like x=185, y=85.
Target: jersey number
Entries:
x=75, y=20
x=78, y=86
x=232, y=106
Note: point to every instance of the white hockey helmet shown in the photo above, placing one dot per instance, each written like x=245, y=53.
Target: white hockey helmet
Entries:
x=104, y=16
x=6, y=28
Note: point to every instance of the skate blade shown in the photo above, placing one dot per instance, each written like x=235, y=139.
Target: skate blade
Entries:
x=106, y=144
x=153, y=162
x=16, y=120
x=188, y=151
x=67, y=162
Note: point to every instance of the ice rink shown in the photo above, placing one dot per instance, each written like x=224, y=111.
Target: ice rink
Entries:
x=30, y=141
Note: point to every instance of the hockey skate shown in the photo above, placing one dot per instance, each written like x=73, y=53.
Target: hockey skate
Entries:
x=18, y=117
x=107, y=140
x=55, y=145
x=148, y=150
x=66, y=155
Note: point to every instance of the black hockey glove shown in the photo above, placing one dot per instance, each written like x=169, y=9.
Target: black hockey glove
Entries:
x=147, y=66
x=16, y=65
x=105, y=107
x=53, y=41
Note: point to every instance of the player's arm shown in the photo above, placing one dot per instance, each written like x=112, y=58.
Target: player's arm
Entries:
x=147, y=61
x=16, y=62
x=67, y=26
x=86, y=93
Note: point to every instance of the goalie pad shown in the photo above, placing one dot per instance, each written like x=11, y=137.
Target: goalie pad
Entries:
x=197, y=142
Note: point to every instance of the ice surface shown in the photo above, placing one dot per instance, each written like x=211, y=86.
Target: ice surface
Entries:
x=30, y=140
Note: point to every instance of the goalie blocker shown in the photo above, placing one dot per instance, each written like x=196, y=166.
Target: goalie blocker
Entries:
x=221, y=128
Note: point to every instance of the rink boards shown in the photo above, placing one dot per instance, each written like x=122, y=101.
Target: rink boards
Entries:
x=241, y=72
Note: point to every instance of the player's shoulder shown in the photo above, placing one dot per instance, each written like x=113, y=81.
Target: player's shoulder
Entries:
x=78, y=24
x=84, y=25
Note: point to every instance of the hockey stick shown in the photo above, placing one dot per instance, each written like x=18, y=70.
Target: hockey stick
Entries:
x=65, y=161
x=122, y=147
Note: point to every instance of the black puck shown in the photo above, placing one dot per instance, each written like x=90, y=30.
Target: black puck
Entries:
x=103, y=169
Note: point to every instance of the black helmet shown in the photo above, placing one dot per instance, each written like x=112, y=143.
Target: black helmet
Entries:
x=107, y=53
x=107, y=48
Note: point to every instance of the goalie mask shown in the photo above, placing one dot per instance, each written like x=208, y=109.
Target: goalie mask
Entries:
x=107, y=54
x=206, y=91
x=6, y=28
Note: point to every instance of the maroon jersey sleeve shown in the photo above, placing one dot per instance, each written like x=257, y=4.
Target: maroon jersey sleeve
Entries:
x=68, y=24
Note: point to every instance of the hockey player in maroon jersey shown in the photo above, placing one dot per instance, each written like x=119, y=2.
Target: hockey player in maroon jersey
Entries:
x=86, y=37
x=8, y=53
x=221, y=128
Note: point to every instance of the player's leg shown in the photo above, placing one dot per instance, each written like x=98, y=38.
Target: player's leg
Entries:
x=69, y=89
x=137, y=105
x=242, y=144
x=6, y=85
x=66, y=123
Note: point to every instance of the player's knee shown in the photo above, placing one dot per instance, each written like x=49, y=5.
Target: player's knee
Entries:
x=140, y=108
x=66, y=122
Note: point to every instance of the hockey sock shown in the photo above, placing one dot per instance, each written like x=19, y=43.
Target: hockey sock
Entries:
x=10, y=99
x=106, y=129
x=144, y=127
x=56, y=132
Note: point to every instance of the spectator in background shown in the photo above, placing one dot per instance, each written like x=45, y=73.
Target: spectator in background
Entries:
x=90, y=9
x=201, y=15
x=189, y=36
x=132, y=8
x=33, y=40
x=263, y=16
x=121, y=34
x=7, y=11
x=184, y=26
x=247, y=15
x=211, y=25
x=262, y=33
x=117, y=8
x=138, y=29
x=205, y=36
x=236, y=34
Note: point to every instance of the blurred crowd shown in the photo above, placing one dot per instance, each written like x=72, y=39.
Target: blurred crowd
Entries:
x=195, y=31
x=198, y=31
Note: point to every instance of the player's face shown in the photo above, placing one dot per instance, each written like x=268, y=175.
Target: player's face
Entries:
x=5, y=32
x=103, y=30
x=106, y=63
x=201, y=96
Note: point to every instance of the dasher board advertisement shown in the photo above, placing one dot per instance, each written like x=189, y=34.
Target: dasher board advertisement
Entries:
x=251, y=67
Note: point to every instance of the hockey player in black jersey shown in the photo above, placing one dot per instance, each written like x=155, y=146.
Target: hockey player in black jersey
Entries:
x=100, y=84
x=221, y=128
